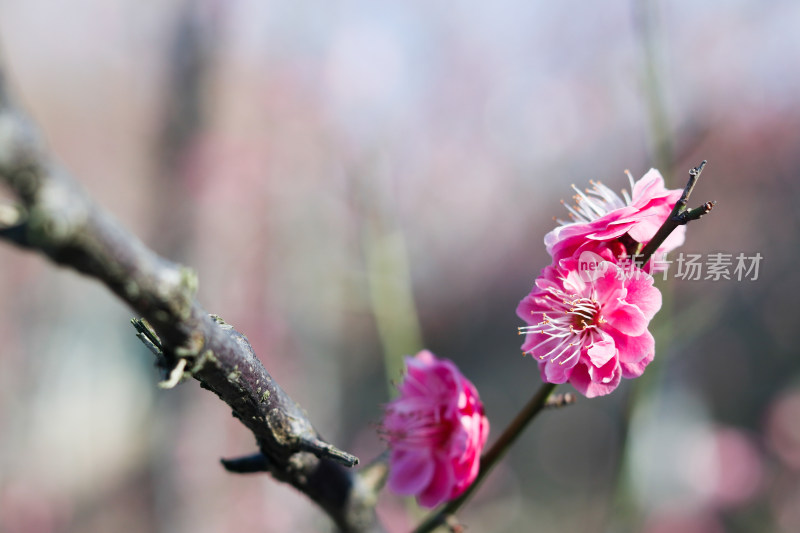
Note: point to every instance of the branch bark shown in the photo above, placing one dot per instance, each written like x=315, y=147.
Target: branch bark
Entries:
x=57, y=218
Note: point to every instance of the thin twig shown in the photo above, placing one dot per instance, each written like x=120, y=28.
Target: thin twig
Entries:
x=678, y=217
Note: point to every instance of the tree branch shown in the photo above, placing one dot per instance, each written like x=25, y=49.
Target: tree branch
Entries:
x=59, y=220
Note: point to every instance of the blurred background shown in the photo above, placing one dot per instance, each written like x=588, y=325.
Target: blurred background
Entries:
x=355, y=180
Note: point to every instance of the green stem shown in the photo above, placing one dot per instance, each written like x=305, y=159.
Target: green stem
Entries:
x=647, y=25
x=495, y=453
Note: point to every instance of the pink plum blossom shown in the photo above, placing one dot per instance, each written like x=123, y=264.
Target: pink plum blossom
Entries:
x=436, y=430
x=610, y=225
x=590, y=330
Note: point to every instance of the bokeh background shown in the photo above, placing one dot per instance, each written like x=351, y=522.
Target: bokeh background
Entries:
x=354, y=180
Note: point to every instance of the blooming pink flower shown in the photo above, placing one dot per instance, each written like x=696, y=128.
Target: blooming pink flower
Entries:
x=590, y=330
x=436, y=430
x=608, y=225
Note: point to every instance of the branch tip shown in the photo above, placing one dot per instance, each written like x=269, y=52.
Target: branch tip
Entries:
x=249, y=464
x=149, y=344
x=143, y=327
x=698, y=169
x=693, y=214
x=678, y=216
x=323, y=450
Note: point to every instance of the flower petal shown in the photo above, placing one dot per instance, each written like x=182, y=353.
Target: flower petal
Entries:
x=556, y=372
x=601, y=350
x=591, y=381
x=410, y=472
x=643, y=294
x=635, y=353
x=440, y=487
x=607, y=287
x=648, y=186
x=626, y=318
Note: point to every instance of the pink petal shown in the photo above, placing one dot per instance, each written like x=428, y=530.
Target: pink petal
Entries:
x=648, y=224
x=626, y=318
x=595, y=382
x=428, y=376
x=643, y=294
x=525, y=309
x=449, y=378
x=634, y=370
x=563, y=241
x=424, y=357
x=459, y=441
x=556, y=372
x=533, y=340
x=635, y=353
x=611, y=231
x=608, y=287
x=573, y=281
x=608, y=251
x=647, y=186
x=544, y=282
x=440, y=487
x=601, y=350
x=410, y=472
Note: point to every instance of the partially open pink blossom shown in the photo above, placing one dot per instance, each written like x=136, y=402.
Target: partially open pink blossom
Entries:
x=610, y=225
x=590, y=330
x=436, y=430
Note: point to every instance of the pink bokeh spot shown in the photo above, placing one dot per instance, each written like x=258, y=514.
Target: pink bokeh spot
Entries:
x=436, y=430
x=783, y=431
x=602, y=219
x=590, y=332
x=666, y=519
x=740, y=471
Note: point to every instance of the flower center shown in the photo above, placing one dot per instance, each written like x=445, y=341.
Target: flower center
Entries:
x=585, y=313
x=563, y=331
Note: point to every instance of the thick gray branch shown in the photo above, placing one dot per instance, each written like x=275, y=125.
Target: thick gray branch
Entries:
x=58, y=219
